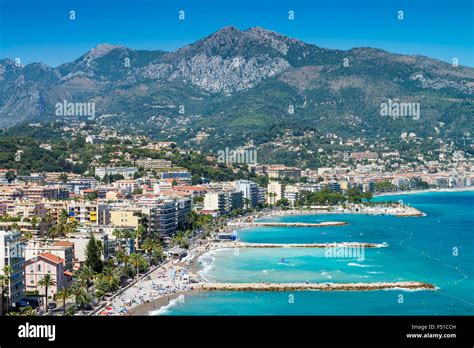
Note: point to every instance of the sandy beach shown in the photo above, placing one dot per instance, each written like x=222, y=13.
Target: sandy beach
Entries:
x=174, y=279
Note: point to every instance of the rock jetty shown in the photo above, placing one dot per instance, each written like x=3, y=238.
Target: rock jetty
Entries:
x=408, y=285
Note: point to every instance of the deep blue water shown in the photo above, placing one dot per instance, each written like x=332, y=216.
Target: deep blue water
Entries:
x=419, y=249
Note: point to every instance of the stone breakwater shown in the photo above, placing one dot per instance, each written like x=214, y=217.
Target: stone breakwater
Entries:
x=299, y=224
x=313, y=286
x=309, y=245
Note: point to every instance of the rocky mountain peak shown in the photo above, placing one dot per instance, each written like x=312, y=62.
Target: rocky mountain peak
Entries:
x=101, y=50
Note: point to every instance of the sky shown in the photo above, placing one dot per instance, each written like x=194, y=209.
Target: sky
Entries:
x=41, y=31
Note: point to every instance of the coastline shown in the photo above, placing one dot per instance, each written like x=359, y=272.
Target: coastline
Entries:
x=193, y=266
x=412, y=192
x=146, y=308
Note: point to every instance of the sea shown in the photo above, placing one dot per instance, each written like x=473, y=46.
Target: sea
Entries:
x=437, y=248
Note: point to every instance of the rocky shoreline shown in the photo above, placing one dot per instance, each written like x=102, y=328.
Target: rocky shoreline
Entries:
x=300, y=224
x=409, y=285
x=308, y=245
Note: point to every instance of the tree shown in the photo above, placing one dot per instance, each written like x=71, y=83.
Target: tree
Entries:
x=80, y=295
x=147, y=246
x=86, y=275
x=5, y=283
x=93, y=255
x=46, y=282
x=181, y=240
x=247, y=203
x=92, y=196
x=25, y=311
x=10, y=176
x=27, y=235
x=63, y=177
x=137, y=235
x=367, y=196
x=157, y=254
x=64, y=295
x=122, y=258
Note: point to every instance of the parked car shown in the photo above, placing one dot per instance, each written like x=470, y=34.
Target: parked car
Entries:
x=52, y=305
x=32, y=302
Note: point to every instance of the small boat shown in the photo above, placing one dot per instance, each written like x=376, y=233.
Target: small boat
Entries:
x=283, y=260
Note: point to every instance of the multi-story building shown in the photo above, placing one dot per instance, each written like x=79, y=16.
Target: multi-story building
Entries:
x=12, y=254
x=76, y=186
x=61, y=249
x=56, y=177
x=184, y=206
x=334, y=186
x=281, y=172
x=275, y=192
x=150, y=163
x=126, y=185
x=215, y=201
x=262, y=195
x=51, y=208
x=234, y=200
x=21, y=226
x=223, y=202
x=39, y=266
x=163, y=220
x=89, y=212
x=183, y=175
x=249, y=191
x=291, y=193
x=367, y=155
x=126, y=172
x=125, y=218
x=81, y=239
x=38, y=193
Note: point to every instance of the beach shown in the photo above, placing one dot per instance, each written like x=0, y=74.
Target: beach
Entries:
x=165, y=285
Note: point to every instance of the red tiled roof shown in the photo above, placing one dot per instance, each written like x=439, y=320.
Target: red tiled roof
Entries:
x=189, y=188
x=51, y=257
x=69, y=274
x=63, y=243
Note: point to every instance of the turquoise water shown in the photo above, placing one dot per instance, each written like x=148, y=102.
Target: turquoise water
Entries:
x=419, y=249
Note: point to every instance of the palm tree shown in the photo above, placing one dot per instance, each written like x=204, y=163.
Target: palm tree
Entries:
x=118, y=238
x=147, y=246
x=5, y=284
x=34, y=222
x=247, y=203
x=157, y=253
x=26, y=311
x=180, y=239
x=137, y=235
x=122, y=257
x=138, y=261
x=26, y=236
x=80, y=295
x=64, y=294
x=86, y=275
x=71, y=227
x=46, y=282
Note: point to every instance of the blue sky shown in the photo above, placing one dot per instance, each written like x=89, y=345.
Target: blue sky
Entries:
x=40, y=30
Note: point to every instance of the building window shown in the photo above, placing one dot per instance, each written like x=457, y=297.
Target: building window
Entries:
x=39, y=268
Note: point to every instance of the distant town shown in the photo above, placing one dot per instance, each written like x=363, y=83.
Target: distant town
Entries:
x=75, y=238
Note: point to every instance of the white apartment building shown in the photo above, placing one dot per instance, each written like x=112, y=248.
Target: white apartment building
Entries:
x=12, y=254
x=274, y=192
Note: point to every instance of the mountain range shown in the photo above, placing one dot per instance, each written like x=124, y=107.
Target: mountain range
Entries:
x=237, y=85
